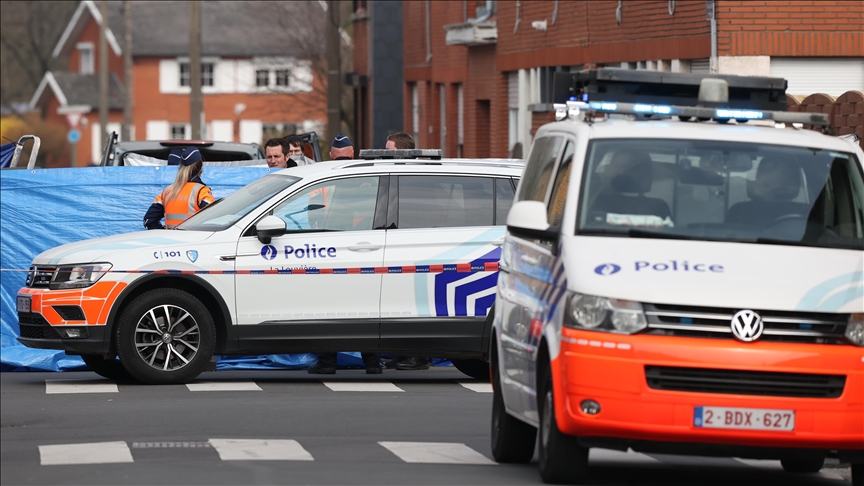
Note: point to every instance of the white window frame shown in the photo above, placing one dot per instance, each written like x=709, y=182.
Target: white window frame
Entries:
x=88, y=67
x=415, y=114
x=187, y=131
x=299, y=74
x=266, y=78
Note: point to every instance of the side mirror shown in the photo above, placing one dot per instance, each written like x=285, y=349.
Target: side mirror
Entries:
x=269, y=227
x=527, y=219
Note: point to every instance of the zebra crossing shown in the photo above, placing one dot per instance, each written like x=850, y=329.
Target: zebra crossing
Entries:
x=101, y=385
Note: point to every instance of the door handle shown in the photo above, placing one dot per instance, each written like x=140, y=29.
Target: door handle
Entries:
x=498, y=242
x=364, y=246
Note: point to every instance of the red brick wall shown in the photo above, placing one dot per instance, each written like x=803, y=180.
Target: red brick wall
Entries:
x=361, y=46
x=91, y=34
x=790, y=28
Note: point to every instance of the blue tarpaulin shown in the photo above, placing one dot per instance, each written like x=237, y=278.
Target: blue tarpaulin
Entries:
x=44, y=208
x=6, y=153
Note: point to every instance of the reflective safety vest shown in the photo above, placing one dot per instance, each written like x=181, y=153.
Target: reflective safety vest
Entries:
x=187, y=203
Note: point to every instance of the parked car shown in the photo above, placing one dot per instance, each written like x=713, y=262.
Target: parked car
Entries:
x=115, y=152
x=378, y=255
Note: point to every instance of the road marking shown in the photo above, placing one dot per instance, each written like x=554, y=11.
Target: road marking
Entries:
x=170, y=445
x=603, y=456
x=478, y=387
x=80, y=386
x=260, y=450
x=223, y=386
x=92, y=453
x=341, y=386
x=436, y=453
x=775, y=465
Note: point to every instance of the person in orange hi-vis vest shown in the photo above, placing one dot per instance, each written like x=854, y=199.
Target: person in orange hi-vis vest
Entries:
x=186, y=196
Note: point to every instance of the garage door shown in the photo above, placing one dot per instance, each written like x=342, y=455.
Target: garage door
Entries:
x=832, y=76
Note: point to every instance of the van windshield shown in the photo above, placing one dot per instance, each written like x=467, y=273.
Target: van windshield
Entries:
x=225, y=212
x=723, y=191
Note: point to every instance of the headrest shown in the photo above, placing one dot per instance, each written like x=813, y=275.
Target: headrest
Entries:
x=175, y=156
x=341, y=141
x=629, y=171
x=777, y=180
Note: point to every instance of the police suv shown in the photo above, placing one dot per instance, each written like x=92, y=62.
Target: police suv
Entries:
x=689, y=286
x=394, y=253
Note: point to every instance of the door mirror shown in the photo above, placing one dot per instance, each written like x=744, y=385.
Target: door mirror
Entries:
x=269, y=227
x=527, y=219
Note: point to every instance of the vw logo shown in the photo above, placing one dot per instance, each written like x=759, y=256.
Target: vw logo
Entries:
x=607, y=269
x=268, y=252
x=747, y=325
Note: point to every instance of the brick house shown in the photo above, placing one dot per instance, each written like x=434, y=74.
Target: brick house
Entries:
x=255, y=81
x=478, y=74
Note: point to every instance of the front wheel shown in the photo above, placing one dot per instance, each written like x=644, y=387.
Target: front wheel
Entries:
x=475, y=368
x=106, y=368
x=561, y=459
x=166, y=336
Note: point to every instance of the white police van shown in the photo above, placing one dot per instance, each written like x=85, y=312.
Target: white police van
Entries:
x=378, y=255
x=685, y=286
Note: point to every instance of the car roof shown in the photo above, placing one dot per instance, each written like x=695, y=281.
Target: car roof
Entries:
x=490, y=167
x=616, y=127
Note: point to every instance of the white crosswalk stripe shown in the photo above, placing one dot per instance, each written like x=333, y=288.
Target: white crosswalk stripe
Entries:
x=80, y=386
x=342, y=386
x=436, y=453
x=92, y=453
x=478, y=387
x=223, y=386
x=260, y=450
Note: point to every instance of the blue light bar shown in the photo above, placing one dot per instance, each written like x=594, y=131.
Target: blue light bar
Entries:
x=740, y=114
x=604, y=106
x=658, y=109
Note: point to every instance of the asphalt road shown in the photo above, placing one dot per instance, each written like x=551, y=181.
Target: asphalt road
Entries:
x=288, y=427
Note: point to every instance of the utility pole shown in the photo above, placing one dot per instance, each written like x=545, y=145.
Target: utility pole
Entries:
x=334, y=67
x=103, y=74
x=127, y=58
x=195, y=100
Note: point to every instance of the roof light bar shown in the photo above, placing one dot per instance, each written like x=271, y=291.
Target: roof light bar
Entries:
x=377, y=154
x=723, y=114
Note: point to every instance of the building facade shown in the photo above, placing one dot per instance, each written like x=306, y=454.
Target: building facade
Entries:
x=255, y=84
x=478, y=74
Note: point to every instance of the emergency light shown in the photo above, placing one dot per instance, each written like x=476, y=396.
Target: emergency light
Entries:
x=378, y=154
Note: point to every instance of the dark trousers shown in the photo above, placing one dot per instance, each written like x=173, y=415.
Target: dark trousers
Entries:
x=328, y=360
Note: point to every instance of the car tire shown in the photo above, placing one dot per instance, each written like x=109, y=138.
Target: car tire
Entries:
x=166, y=336
x=475, y=368
x=857, y=474
x=803, y=464
x=106, y=368
x=561, y=459
x=512, y=439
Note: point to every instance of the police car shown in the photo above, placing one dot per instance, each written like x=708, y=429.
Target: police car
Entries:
x=387, y=254
x=686, y=285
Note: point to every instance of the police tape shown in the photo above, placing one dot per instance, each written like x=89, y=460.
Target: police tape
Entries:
x=456, y=267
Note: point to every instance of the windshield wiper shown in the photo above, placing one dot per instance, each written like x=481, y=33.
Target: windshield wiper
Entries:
x=640, y=233
x=840, y=245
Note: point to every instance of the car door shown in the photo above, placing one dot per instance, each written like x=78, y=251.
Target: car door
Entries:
x=441, y=219
x=331, y=299
x=530, y=276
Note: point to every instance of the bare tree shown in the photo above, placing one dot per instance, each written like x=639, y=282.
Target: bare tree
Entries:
x=29, y=31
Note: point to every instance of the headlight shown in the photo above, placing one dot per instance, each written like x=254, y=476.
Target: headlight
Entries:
x=78, y=276
x=601, y=314
x=855, y=329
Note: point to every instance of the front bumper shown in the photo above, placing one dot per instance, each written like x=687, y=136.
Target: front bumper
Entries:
x=610, y=369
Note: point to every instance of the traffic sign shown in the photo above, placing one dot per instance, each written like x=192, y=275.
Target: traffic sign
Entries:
x=74, y=136
x=73, y=119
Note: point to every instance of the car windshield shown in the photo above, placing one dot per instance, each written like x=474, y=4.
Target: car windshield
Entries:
x=229, y=210
x=724, y=191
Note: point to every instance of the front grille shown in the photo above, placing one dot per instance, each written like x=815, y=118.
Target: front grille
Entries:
x=40, y=277
x=736, y=382
x=34, y=326
x=715, y=322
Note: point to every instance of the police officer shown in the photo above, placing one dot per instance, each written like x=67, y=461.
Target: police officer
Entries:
x=343, y=149
x=186, y=196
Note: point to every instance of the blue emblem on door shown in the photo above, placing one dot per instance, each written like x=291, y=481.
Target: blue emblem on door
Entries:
x=192, y=255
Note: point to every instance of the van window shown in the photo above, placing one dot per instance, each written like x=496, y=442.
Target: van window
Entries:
x=555, y=208
x=432, y=201
x=724, y=191
x=336, y=205
x=504, y=194
x=538, y=170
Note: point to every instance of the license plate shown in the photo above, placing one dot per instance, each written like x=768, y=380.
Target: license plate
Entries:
x=23, y=303
x=744, y=418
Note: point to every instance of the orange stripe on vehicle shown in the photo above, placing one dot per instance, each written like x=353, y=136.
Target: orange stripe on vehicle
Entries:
x=108, y=303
